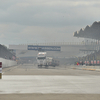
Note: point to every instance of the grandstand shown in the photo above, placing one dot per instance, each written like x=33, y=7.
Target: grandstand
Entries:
x=90, y=32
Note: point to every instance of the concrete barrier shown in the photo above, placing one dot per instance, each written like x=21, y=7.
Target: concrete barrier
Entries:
x=7, y=63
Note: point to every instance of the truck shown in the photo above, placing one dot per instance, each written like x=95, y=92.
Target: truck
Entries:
x=43, y=60
x=52, y=62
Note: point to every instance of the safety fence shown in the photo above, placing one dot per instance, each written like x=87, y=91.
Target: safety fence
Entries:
x=63, y=43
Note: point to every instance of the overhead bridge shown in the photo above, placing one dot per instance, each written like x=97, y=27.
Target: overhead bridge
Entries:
x=57, y=50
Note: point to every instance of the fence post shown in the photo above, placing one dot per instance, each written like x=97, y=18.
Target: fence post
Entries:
x=0, y=70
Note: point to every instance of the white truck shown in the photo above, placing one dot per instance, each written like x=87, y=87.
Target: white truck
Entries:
x=41, y=59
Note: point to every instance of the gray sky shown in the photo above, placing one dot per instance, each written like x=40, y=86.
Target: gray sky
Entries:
x=31, y=21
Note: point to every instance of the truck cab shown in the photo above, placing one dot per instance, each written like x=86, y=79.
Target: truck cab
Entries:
x=41, y=59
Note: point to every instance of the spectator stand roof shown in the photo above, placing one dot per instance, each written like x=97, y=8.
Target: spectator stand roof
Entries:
x=92, y=31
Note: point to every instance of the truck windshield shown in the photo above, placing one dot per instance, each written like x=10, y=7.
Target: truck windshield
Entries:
x=41, y=58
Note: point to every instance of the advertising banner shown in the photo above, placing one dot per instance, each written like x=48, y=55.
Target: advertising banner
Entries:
x=44, y=48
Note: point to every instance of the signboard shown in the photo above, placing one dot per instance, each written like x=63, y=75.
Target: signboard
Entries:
x=98, y=62
x=91, y=61
x=44, y=48
x=94, y=61
x=87, y=62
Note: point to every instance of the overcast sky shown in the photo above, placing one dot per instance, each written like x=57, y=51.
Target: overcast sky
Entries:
x=31, y=21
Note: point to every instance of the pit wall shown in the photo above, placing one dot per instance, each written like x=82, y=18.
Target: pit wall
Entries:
x=7, y=63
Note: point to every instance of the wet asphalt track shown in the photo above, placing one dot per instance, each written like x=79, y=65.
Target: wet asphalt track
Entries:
x=62, y=79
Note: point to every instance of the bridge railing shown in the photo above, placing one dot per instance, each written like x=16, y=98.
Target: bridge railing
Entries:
x=64, y=43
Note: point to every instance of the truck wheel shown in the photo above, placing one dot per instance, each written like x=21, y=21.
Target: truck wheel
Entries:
x=46, y=66
x=41, y=66
x=53, y=65
x=38, y=66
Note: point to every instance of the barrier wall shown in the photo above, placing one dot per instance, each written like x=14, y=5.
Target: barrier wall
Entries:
x=84, y=67
x=7, y=63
